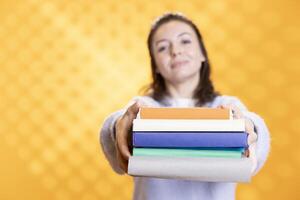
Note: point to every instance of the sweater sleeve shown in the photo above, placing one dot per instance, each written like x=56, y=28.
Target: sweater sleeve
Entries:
x=263, y=140
x=107, y=132
x=107, y=140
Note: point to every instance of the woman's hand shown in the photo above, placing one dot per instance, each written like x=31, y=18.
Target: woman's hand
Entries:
x=123, y=129
x=252, y=137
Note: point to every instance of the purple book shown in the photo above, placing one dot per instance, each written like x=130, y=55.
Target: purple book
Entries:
x=189, y=139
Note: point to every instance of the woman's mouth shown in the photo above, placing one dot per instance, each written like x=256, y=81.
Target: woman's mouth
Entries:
x=179, y=63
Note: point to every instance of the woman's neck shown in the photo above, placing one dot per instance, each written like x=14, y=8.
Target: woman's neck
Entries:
x=183, y=89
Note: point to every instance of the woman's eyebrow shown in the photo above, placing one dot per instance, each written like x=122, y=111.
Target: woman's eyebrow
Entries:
x=162, y=40
x=184, y=34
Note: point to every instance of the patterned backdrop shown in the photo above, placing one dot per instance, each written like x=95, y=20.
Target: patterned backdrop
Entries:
x=66, y=65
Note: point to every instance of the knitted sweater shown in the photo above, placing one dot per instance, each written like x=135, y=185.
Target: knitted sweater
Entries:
x=165, y=189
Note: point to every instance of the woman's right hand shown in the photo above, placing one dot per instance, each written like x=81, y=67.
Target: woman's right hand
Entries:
x=123, y=129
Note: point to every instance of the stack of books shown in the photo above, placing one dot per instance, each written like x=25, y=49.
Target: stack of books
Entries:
x=203, y=144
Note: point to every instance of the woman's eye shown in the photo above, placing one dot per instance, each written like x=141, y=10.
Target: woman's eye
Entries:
x=160, y=49
x=186, y=41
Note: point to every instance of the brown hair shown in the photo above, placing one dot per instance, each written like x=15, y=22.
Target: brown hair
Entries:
x=205, y=90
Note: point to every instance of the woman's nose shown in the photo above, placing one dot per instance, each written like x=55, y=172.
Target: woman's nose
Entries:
x=176, y=50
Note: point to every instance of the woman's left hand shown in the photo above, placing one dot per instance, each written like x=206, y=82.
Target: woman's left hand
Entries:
x=252, y=137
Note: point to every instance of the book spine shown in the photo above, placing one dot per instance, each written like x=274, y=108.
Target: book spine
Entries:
x=145, y=139
x=238, y=149
x=188, y=125
x=185, y=153
x=185, y=168
x=184, y=113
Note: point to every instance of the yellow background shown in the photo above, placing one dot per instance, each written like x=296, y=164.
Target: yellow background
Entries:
x=66, y=65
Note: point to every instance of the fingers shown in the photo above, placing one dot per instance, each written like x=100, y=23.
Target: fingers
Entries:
x=251, y=153
x=252, y=138
x=121, y=138
x=249, y=126
x=237, y=113
x=123, y=135
x=123, y=131
x=247, y=153
x=123, y=147
x=122, y=162
x=133, y=110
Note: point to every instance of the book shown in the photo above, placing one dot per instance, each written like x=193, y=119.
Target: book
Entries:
x=185, y=168
x=241, y=149
x=184, y=113
x=235, y=125
x=237, y=153
x=189, y=139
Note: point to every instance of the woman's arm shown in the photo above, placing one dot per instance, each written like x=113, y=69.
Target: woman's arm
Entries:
x=107, y=140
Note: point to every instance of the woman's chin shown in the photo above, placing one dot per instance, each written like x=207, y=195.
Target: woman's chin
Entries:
x=182, y=77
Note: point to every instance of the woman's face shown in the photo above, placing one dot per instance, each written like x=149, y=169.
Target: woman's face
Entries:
x=177, y=52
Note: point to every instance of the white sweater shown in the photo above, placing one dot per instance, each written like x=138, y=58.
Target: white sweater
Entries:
x=165, y=189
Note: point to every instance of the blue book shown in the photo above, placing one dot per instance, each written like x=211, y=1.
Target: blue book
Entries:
x=189, y=139
x=239, y=149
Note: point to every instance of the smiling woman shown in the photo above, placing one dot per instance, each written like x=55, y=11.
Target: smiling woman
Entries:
x=181, y=78
x=178, y=46
x=175, y=42
x=176, y=52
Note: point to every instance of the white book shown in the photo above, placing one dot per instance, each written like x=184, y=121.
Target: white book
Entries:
x=235, y=125
x=186, y=168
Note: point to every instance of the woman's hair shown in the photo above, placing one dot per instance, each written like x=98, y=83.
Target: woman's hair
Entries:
x=157, y=89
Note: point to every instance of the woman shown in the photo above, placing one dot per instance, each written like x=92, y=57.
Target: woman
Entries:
x=181, y=78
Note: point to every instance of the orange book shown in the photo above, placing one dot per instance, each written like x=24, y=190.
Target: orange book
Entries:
x=184, y=113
